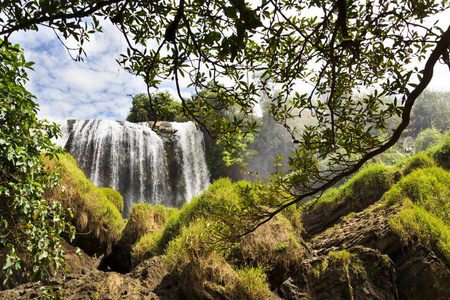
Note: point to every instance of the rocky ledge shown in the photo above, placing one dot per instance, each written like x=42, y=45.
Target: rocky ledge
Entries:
x=360, y=257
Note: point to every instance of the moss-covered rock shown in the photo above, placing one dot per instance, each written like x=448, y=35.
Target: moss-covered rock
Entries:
x=114, y=197
x=359, y=192
x=98, y=222
x=145, y=219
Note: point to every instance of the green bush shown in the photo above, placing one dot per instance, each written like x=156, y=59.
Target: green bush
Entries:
x=30, y=226
x=163, y=108
x=114, y=197
x=427, y=138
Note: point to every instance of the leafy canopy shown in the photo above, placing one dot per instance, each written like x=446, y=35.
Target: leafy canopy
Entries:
x=162, y=107
x=29, y=226
x=335, y=48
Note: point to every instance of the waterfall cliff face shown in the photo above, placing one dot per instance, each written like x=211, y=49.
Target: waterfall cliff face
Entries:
x=143, y=166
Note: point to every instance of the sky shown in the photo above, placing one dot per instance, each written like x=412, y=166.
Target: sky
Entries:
x=99, y=88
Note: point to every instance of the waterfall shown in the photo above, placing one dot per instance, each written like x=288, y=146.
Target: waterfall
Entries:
x=167, y=169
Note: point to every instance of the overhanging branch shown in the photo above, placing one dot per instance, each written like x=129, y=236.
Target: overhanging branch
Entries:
x=441, y=49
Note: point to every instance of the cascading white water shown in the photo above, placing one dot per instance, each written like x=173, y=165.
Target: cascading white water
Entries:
x=190, y=154
x=137, y=162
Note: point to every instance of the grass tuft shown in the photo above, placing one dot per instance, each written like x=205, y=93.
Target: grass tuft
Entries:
x=370, y=182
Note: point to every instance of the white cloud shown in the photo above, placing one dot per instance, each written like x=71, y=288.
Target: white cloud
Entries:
x=95, y=88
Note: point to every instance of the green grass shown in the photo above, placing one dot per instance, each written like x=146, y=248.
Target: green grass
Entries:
x=252, y=282
x=221, y=192
x=144, y=229
x=114, y=197
x=441, y=153
x=425, y=194
x=94, y=214
x=418, y=161
x=372, y=181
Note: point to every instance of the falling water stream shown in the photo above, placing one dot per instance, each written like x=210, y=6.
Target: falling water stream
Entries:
x=143, y=166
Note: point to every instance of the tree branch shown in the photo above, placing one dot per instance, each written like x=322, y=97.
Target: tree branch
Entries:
x=441, y=49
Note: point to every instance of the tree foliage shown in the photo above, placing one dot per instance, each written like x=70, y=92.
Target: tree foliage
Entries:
x=161, y=107
x=29, y=226
x=430, y=111
x=336, y=48
x=427, y=138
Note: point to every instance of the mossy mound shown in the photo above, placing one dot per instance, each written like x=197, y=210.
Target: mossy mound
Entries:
x=114, y=197
x=441, y=153
x=145, y=219
x=425, y=217
x=219, y=194
x=192, y=243
x=98, y=222
x=192, y=258
x=418, y=161
x=359, y=192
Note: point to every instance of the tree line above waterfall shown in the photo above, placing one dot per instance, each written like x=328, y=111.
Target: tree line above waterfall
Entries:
x=255, y=153
x=337, y=48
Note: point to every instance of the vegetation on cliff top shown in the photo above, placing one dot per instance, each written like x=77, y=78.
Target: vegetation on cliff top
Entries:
x=191, y=239
x=425, y=196
x=97, y=220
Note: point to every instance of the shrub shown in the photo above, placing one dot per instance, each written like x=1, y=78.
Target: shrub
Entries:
x=30, y=226
x=98, y=222
x=114, y=197
x=427, y=138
